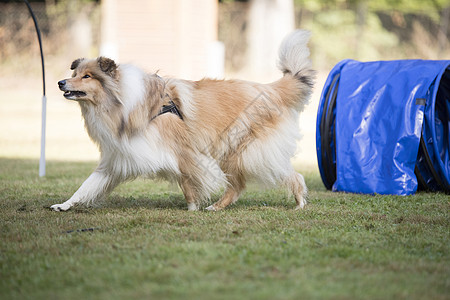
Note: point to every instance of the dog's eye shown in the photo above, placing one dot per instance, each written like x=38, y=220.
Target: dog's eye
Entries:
x=86, y=76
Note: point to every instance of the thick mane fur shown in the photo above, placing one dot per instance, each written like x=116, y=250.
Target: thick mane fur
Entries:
x=126, y=105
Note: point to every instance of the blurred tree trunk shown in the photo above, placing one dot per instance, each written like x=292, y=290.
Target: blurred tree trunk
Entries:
x=269, y=21
x=361, y=16
x=443, y=30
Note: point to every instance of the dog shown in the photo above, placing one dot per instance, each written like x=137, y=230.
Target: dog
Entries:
x=207, y=135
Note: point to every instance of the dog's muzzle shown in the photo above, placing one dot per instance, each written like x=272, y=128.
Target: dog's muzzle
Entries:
x=71, y=95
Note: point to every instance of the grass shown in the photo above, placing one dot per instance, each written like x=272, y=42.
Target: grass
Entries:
x=142, y=243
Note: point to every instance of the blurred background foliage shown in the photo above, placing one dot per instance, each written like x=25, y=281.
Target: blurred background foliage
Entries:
x=358, y=29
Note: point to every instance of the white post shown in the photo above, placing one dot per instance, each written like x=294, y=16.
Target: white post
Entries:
x=44, y=116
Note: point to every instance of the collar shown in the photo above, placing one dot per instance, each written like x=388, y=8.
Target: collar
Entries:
x=172, y=108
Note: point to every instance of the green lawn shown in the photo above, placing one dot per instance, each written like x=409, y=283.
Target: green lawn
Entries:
x=143, y=244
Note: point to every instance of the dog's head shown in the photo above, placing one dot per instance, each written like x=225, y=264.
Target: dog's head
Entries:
x=90, y=79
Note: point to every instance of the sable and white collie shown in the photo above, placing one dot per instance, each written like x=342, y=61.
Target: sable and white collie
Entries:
x=206, y=135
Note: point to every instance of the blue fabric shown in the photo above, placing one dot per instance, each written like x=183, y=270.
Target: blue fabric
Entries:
x=378, y=124
x=436, y=131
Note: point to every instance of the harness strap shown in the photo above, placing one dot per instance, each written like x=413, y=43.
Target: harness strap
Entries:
x=172, y=108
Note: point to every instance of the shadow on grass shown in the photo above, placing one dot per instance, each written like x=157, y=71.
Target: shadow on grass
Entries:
x=152, y=201
x=20, y=182
x=250, y=200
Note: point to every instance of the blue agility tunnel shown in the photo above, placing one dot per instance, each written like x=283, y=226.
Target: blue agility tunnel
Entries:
x=383, y=127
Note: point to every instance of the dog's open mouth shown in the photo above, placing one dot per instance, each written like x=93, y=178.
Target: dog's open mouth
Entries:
x=74, y=94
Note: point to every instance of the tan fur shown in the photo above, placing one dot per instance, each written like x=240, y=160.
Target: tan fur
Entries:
x=231, y=130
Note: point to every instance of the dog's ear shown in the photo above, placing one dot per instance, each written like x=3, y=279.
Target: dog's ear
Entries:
x=75, y=63
x=107, y=65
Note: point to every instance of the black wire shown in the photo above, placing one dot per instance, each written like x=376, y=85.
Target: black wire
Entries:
x=40, y=43
x=428, y=162
x=331, y=124
x=327, y=120
x=435, y=181
x=422, y=185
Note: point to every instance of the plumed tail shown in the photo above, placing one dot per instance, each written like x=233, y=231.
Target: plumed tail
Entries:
x=294, y=57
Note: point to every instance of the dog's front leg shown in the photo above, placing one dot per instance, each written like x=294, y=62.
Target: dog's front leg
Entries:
x=96, y=186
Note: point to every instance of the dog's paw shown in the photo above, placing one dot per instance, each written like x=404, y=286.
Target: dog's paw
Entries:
x=61, y=207
x=300, y=206
x=192, y=207
x=211, y=208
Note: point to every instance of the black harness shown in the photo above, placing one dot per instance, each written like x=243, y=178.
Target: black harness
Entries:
x=170, y=108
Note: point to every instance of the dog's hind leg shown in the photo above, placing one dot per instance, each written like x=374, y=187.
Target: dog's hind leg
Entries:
x=189, y=192
x=296, y=183
x=231, y=195
x=200, y=177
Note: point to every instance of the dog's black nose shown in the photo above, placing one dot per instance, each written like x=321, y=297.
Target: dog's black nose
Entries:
x=61, y=83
